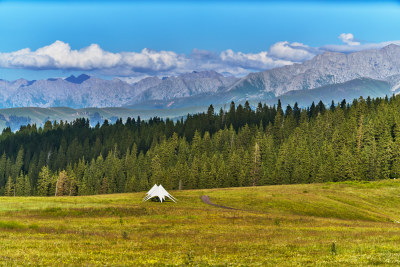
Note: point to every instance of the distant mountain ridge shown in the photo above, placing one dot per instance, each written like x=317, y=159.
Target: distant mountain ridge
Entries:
x=334, y=92
x=325, y=69
x=349, y=90
x=87, y=91
x=372, y=73
x=329, y=76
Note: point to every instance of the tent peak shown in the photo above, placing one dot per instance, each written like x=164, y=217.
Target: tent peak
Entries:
x=160, y=192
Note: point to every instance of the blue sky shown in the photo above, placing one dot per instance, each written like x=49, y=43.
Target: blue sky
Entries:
x=230, y=37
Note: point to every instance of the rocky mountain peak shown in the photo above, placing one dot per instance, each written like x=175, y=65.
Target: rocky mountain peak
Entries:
x=78, y=80
x=324, y=69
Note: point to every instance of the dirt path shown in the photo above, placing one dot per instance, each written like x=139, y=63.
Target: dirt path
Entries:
x=206, y=199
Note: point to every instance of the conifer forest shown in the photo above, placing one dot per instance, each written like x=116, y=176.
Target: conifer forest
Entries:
x=242, y=146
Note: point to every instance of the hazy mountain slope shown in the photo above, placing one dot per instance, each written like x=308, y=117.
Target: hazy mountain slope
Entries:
x=337, y=92
x=199, y=89
x=73, y=92
x=15, y=117
x=379, y=71
x=349, y=90
x=86, y=91
x=328, y=68
x=188, y=84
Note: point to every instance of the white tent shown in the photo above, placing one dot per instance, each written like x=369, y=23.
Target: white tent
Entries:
x=160, y=192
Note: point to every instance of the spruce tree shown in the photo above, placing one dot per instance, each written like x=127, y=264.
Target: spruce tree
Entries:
x=44, y=182
x=256, y=165
x=20, y=185
x=9, y=189
x=27, y=186
x=62, y=185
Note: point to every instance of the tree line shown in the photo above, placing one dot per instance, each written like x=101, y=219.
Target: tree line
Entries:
x=243, y=146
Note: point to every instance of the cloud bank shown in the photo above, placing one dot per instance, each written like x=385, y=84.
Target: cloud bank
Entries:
x=60, y=56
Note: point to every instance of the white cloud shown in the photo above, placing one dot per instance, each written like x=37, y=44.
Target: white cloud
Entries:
x=350, y=45
x=152, y=60
x=252, y=61
x=296, y=52
x=348, y=38
x=60, y=56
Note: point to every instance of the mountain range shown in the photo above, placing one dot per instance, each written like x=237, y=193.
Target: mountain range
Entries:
x=87, y=91
x=328, y=76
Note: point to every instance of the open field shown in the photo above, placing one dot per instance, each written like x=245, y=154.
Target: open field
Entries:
x=277, y=225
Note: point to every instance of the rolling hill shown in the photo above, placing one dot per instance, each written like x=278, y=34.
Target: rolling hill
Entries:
x=341, y=224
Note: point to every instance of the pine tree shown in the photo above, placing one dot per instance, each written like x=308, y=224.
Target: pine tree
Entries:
x=283, y=169
x=44, y=182
x=268, y=157
x=104, y=186
x=204, y=173
x=62, y=185
x=60, y=161
x=27, y=186
x=221, y=172
x=384, y=154
x=3, y=161
x=212, y=181
x=144, y=181
x=193, y=176
x=277, y=129
x=395, y=169
x=234, y=170
x=256, y=165
x=156, y=170
x=9, y=168
x=20, y=185
x=9, y=190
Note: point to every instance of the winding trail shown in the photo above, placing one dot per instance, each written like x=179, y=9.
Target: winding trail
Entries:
x=206, y=199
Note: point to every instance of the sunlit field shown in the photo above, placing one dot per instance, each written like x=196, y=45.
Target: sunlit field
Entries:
x=319, y=224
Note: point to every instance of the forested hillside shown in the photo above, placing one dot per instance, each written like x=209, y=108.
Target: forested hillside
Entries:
x=239, y=147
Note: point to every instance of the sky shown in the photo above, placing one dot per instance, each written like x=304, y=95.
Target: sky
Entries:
x=134, y=39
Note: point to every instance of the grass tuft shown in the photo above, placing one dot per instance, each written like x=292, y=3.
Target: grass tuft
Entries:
x=11, y=225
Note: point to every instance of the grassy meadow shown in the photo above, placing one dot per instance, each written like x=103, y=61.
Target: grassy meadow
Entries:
x=341, y=224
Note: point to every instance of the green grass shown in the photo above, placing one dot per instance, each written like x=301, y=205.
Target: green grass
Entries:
x=342, y=224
